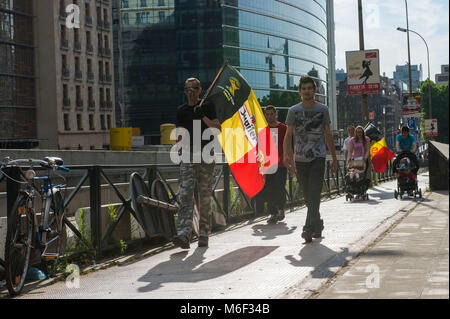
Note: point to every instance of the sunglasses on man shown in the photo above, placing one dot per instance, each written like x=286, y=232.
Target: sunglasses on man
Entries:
x=191, y=89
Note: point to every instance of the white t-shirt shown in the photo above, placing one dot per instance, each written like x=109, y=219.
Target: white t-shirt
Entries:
x=346, y=142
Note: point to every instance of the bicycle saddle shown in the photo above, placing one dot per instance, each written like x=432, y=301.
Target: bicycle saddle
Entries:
x=56, y=160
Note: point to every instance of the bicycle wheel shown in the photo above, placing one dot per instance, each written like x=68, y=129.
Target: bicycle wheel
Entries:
x=18, y=245
x=56, y=236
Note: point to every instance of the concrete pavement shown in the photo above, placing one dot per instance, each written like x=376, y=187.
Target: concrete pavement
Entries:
x=411, y=261
x=253, y=259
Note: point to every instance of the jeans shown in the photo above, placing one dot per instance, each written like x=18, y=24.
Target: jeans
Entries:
x=310, y=177
x=273, y=192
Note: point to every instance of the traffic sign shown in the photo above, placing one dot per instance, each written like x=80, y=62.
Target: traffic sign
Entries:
x=431, y=127
x=411, y=108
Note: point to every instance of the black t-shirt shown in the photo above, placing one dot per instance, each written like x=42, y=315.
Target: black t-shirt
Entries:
x=186, y=117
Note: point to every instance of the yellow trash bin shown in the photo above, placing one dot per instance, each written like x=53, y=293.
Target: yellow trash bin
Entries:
x=166, y=129
x=121, y=138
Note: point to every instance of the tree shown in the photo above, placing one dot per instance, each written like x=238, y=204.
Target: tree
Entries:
x=440, y=107
x=281, y=99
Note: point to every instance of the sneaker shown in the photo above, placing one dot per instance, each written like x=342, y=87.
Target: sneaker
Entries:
x=203, y=241
x=181, y=241
x=273, y=219
x=307, y=236
x=280, y=215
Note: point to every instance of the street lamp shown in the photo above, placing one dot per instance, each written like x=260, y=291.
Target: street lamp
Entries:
x=428, y=58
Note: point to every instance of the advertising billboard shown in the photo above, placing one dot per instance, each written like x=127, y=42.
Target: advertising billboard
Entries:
x=363, y=72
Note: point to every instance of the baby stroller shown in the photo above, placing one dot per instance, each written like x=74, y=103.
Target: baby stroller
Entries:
x=406, y=167
x=356, y=181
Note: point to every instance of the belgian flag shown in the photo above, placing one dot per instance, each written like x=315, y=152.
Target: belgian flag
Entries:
x=245, y=138
x=380, y=154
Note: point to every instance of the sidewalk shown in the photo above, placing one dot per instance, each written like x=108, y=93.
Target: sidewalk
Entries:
x=251, y=260
x=412, y=261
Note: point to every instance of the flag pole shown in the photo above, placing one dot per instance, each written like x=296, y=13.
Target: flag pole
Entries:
x=212, y=85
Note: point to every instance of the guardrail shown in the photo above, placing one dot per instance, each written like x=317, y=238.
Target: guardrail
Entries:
x=228, y=206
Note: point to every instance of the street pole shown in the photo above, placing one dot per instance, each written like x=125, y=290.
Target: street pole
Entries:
x=364, y=108
x=409, y=51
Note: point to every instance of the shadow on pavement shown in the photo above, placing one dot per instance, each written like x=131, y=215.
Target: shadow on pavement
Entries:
x=182, y=269
x=271, y=231
x=315, y=254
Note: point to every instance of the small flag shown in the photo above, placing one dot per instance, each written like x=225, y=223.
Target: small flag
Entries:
x=245, y=138
x=380, y=154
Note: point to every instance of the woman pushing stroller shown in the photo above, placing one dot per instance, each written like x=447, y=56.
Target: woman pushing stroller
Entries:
x=358, y=153
x=406, y=165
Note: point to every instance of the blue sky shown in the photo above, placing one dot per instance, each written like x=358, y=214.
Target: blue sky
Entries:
x=429, y=18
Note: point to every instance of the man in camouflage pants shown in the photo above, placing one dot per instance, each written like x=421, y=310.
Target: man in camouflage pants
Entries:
x=193, y=118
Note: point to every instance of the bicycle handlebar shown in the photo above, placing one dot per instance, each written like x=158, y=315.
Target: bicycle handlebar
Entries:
x=31, y=161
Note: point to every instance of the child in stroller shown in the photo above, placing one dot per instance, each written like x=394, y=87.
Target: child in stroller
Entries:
x=406, y=167
x=356, y=181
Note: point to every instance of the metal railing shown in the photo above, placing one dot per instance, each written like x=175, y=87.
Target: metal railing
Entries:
x=332, y=184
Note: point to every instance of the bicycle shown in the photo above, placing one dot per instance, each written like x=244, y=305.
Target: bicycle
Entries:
x=24, y=232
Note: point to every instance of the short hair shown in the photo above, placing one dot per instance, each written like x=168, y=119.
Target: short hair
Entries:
x=405, y=128
x=192, y=80
x=306, y=79
x=270, y=107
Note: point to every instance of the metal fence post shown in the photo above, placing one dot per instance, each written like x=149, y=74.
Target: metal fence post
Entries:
x=95, y=201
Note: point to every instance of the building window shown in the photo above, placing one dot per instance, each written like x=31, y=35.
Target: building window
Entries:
x=91, y=122
x=138, y=18
x=162, y=15
x=102, y=121
x=78, y=94
x=124, y=4
x=108, y=122
x=106, y=42
x=79, y=122
x=125, y=18
x=102, y=98
x=66, y=122
x=143, y=3
x=161, y=3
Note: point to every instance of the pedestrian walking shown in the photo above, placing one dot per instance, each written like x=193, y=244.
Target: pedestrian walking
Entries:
x=275, y=184
x=358, y=154
x=193, y=168
x=351, y=133
x=309, y=123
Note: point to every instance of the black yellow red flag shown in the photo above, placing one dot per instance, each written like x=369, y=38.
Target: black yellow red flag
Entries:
x=245, y=138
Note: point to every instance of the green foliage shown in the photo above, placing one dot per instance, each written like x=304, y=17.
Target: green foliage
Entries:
x=281, y=99
x=123, y=246
x=112, y=213
x=439, y=108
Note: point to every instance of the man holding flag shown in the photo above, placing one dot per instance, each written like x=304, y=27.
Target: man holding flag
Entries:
x=309, y=124
x=193, y=121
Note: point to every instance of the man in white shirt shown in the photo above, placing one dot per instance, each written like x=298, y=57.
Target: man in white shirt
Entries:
x=351, y=133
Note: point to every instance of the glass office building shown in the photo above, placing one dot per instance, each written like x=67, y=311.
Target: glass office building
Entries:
x=17, y=77
x=272, y=42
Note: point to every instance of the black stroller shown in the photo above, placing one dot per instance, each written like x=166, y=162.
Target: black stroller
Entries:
x=406, y=167
x=357, y=186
